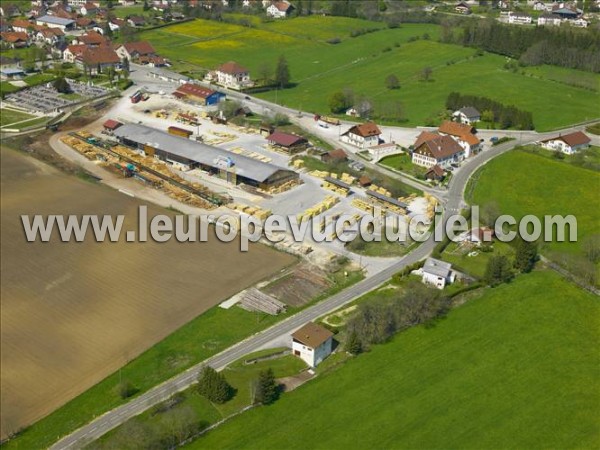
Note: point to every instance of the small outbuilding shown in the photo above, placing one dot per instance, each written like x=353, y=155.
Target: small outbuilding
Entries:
x=312, y=343
x=435, y=173
x=287, y=141
x=334, y=156
x=111, y=125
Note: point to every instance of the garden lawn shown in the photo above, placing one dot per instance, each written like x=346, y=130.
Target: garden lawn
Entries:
x=475, y=265
x=516, y=368
x=403, y=163
x=526, y=183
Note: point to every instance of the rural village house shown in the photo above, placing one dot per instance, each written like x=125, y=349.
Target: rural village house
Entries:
x=518, y=18
x=433, y=149
x=568, y=143
x=15, y=39
x=97, y=59
x=312, y=343
x=362, y=136
x=437, y=273
x=132, y=51
x=287, y=141
x=232, y=75
x=467, y=115
x=280, y=10
x=463, y=134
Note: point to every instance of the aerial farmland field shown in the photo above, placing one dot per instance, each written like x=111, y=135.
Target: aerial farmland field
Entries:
x=362, y=63
x=74, y=313
x=512, y=368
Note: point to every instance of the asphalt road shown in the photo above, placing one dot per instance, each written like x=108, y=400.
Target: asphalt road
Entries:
x=453, y=203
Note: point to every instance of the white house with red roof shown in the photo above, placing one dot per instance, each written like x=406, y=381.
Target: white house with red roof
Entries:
x=567, y=143
x=232, y=75
x=280, y=10
x=362, y=136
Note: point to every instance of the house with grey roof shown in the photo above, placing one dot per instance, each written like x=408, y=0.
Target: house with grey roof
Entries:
x=468, y=115
x=437, y=273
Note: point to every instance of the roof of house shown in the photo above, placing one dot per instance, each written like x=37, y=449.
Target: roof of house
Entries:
x=338, y=154
x=437, y=267
x=83, y=21
x=232, y=68
x=469, y=138
x=90, y=6
x=470, y=112
x=312, y=335
x=92, y=38
x=55, y=20
x=199, y=152
x=455, y=128
x=442, y=147
x=482, y=234
x=9, y=71
x=424, y=137
x=112, y=124
x=285, y=139
x=21, y=23
x=137, y=19
x=436, y=170
x=193, y=90
x=14, y=36
x=572, y=139
x=139, y=47
x=52, y=32
x=77, y=49
x=365, y=130
x=364, y=180
x=282, y=6
x=100, y=55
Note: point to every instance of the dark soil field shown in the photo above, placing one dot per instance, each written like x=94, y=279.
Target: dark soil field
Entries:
x=73, y=313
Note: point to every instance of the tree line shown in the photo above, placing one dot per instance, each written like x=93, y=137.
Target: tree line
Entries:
x=492, y=111
x=564, y=46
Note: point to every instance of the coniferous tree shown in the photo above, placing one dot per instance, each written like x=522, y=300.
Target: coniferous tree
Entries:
x=214, y=386
x=353, y=344
x=267, y=389
x=498, y=270
x=282, y=72
x=526, y=256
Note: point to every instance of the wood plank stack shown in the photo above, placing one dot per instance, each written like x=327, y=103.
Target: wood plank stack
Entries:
x=255, y=300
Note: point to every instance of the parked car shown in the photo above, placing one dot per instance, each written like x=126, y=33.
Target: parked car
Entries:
x=493, y=139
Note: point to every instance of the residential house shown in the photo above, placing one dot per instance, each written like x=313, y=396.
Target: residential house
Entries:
x=435, y=173
x=437, y=273
x=24, y=26
x=97, y=59
x=56, y=22
x=280, y=10
x=539, y=6
x=136, y=21
x=437, y=149
x=287, y=141
x=85, y=23
x=312, y=343
x=198, y=94
x=77, y=3
x=134, y=50
x=51, y=36
x=116, y=24
x=88, y=9
x=519, y=18
x=566, y=10
x=232, y=75
x=463, y=8
x=73, y=51
x=91, y=39
x=334, y=156
x=482, y=235
x=579, y=23
x=9, y=10
x=11, y=73
x=464, y=134
x=549, y=19
x=37, y=11
x=362, y=136
x=152, y=61
x=467, y=115
x=15, y=39
x=567, y=143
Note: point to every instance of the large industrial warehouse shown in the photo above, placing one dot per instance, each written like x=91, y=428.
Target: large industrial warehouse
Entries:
x=186, y=154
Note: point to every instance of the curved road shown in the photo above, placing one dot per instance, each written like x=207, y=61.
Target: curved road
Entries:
x=454, y=202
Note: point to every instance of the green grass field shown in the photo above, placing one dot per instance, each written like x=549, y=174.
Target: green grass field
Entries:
x=516, y=368
x=403, y=163
x=526, y=183
x=474, y=265
x=363, y=63
x=239, y=375
x=8, y=116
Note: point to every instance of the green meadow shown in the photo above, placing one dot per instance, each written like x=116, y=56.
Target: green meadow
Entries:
x=522, y=183
x=515, y=367
x=362, y=63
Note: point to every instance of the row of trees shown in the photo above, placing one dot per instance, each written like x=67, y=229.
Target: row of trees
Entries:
x=492, y=111
x=377, y=321
x=214, y=386
x=366, y=107
x=564, y=46
x=500, y=270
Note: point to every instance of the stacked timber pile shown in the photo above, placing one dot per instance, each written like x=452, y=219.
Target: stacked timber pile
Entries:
x=283, y=187
x=380, y=190
x=255, y=300
x=363, y=205
x=329, y=202
x=319, y=174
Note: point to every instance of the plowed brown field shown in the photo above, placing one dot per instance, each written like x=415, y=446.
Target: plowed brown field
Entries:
x=73, y=313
